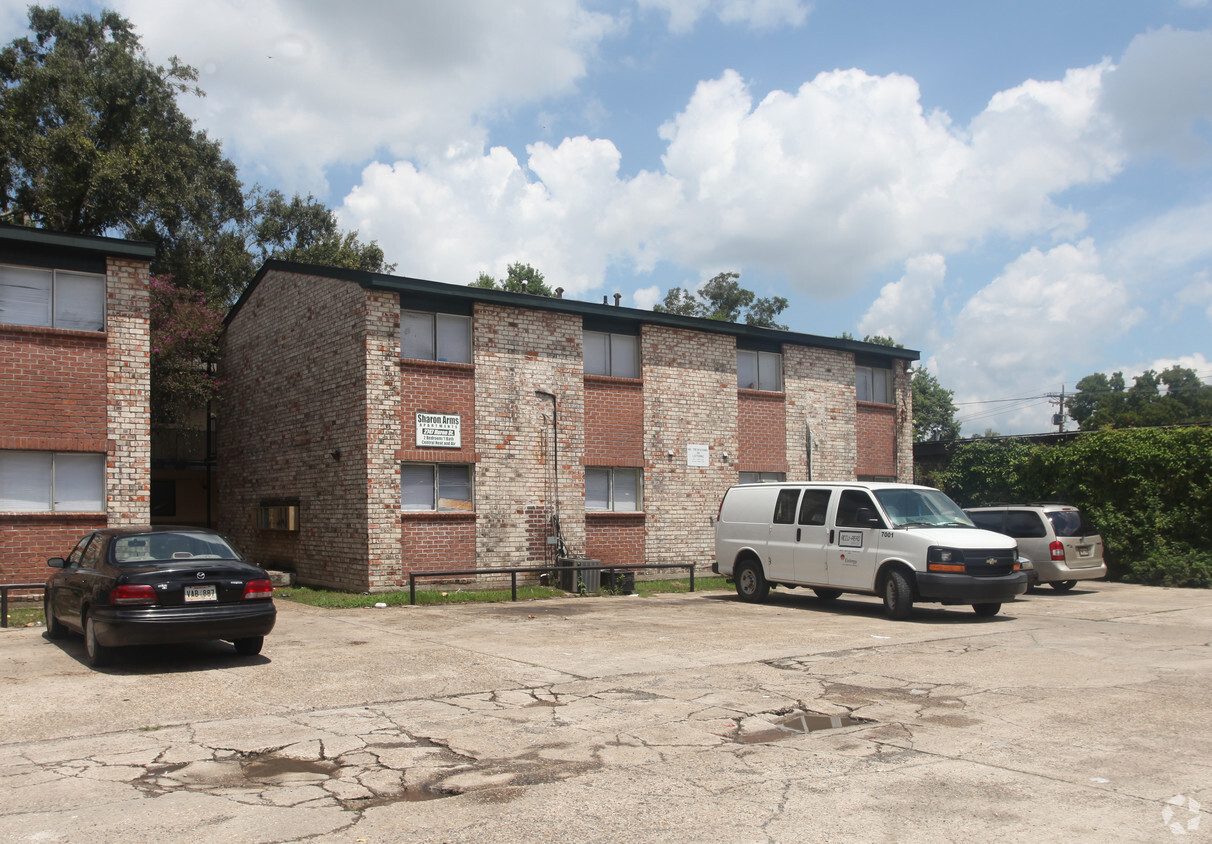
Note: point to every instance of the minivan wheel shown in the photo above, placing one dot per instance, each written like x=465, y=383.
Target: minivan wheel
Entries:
x=751, y=584
x=898, y=595
x=98, y=654
x=828, y=594
x=986, y=610
x=1063, y=585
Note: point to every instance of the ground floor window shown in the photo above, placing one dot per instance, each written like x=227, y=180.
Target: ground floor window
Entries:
x=45, y=481
x=436, y=486
x=760, y=477
x=612, y=489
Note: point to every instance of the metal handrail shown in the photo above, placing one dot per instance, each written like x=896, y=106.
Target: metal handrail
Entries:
x=514, y=572
x=4, y=587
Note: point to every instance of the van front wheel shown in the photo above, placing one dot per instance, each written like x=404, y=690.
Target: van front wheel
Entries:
x=751, y=584
x=898, y=596
x=986, y=610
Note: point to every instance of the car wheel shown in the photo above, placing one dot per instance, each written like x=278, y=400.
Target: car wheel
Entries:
x=98, y=654
x=751, y=584
x=1063, y=585
x=986, y=610
x=828, y=594
x=54, y=628
x=250, y=646
x=898, y=595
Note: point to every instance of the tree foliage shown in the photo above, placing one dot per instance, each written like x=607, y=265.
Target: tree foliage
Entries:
x=519, y=278
x=1105, y=402
x=92, y=141
x=722, y=298
x=185, y=331
x=1149, y=492
x=933, y=409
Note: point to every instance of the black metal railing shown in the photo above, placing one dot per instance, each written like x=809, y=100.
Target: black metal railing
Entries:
x=514, y=572
x=4, y=590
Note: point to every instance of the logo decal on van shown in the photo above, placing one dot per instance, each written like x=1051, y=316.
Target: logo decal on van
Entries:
x=850, y=538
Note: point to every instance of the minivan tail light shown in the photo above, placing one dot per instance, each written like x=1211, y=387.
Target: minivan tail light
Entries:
x=1058, y=550
x=133, y=595
x=258, y=589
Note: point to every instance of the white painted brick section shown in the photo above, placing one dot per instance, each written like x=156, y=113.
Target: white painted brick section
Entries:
x=128, y=377
x=819, y=385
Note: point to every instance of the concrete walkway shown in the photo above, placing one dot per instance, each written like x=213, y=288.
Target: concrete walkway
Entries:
x=1084, y=716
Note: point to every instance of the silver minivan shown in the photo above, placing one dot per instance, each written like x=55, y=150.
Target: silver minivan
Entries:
x=903, y=542
x=1058, y=538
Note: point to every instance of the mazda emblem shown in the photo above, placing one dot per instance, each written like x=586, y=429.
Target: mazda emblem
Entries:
x=202, y=574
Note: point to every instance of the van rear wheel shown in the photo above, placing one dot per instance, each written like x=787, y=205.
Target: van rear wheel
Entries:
x=828, y=594
x=751, y=584
x=898, y=595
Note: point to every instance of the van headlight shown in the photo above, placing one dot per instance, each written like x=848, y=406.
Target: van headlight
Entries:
x=939, y=558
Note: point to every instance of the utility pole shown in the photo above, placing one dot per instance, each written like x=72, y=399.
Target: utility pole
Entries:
x=1058, y=399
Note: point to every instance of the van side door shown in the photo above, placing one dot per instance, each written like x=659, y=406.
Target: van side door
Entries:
x=784, y=537
x=811, y=560
x=853, y=549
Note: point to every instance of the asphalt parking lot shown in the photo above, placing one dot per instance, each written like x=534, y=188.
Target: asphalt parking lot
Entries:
x=1069, y=717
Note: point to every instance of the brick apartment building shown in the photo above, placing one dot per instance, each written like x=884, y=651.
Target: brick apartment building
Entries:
x=74, y=369
x=374, y=425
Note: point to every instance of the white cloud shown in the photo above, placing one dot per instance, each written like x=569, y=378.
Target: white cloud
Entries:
x=646, y=297
x=905, y=309
x=1047, y=315
x=759, y=14
x=301, y=86
x=1160, y=94
x=1197, y=363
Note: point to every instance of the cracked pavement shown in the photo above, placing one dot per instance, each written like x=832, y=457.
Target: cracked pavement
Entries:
x=1079, y=716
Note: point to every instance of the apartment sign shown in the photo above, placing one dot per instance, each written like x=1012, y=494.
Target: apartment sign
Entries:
x=439, y=430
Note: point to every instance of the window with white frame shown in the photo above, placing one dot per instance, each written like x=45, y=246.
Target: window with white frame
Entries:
x=44, y=482
x=612, y=489
x=873, y=384
x=430, y=336
x=435, y=486
x=760, y=477
x=617, y=355
x=52, y=298
x=759, y=370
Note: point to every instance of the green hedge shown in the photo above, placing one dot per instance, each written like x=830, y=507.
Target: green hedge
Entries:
x=1147, y=490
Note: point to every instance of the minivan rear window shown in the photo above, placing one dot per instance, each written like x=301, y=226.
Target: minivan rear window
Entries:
x=1070, y=523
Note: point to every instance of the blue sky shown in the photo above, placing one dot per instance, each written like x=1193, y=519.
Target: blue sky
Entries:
x=1021, y=191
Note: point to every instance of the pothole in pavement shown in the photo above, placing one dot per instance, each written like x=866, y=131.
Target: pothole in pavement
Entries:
x=761, y=730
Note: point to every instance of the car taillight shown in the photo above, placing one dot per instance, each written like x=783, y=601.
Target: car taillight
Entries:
x=1058, y=550
x=133, y=594
x=258, y=589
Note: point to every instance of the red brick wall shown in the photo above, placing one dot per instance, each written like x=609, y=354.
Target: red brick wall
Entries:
x=27, y=540
x=615, y=538
x=437, y=542
x=52, y=384
x=761, y=431
x=875, y=433
x=614, y=421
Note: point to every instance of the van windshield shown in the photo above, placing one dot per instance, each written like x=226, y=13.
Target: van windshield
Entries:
x=921, y=508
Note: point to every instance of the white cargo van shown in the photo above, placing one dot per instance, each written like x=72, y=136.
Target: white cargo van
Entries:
x=903, y=542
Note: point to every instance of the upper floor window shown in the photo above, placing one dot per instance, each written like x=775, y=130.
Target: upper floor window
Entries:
x=759, y=370
x=435, y=486
x=873, y=384
x=52, y=298
x=612, y=354
x=44, y=481
x=430, y=336
x=612, y=489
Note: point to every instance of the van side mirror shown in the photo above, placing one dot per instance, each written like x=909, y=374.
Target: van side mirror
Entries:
x=56, y=562
x=866, y=516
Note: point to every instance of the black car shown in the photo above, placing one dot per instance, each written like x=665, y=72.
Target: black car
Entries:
x=158, y=585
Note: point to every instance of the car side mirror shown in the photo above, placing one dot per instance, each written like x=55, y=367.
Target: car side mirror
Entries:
x=56, y=562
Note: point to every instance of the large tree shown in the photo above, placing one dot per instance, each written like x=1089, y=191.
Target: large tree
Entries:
x=722, y=298
x=92, y=141
x=933, y=409
x=1106, y=402
x=519, y=278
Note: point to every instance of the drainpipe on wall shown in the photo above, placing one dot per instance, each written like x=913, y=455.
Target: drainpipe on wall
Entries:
x=808, y=445
x=555, y=466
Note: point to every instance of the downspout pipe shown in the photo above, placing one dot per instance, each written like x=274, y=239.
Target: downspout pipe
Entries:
x=555, y=444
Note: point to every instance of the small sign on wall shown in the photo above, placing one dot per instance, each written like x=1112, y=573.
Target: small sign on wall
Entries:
x=698, y=455
x=439, y=430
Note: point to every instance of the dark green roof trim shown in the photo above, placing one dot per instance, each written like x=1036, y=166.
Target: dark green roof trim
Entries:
x=413, y=289
x=31, y=238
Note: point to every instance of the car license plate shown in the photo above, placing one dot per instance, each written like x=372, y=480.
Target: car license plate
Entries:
x=1083, y=550
x=200, y=593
